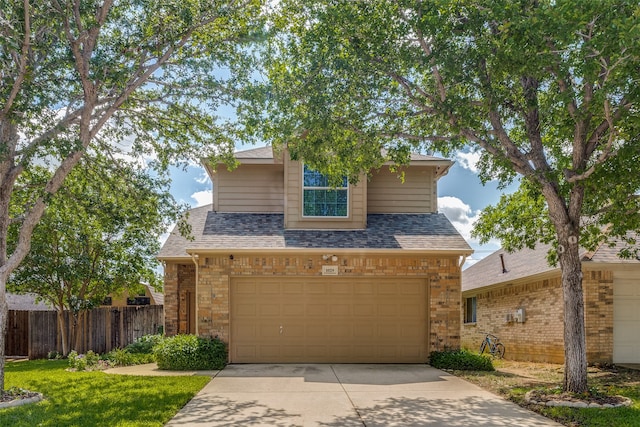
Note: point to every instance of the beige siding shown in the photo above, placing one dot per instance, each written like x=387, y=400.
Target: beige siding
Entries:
x=386, y=193
x=249, y=188
x=293, y=204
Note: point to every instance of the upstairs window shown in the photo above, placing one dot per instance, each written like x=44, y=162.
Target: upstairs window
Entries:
x=319, y=199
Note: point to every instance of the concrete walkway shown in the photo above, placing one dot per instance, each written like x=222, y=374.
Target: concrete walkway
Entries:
x=347, y=395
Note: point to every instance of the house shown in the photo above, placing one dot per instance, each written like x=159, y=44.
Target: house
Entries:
x=149, y=296
x=518, y=297
x=286, y=269
x=25, y=302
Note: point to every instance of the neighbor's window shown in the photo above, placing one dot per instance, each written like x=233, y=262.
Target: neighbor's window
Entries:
x=319, y=199
x=470, y=310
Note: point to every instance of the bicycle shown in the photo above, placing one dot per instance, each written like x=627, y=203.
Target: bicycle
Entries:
x=493, y=345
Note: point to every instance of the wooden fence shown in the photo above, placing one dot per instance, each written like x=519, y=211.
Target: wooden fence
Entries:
x=36, y=333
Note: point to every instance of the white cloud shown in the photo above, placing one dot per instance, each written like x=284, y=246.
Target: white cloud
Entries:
x=204, y=197
x=463, y=219
x=203, y=178
x=468, y=160
x=460, y=214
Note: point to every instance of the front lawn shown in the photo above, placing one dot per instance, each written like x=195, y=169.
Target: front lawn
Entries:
x=513, y=379
x=95, y=398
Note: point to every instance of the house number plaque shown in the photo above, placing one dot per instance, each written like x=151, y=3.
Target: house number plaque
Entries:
x=329, y=270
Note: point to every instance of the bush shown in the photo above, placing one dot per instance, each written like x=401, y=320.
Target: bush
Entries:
x=54, y=355
x=463, y=360
x=122, y=357
x=89, y=361
x=189, y=352
x=144, y=344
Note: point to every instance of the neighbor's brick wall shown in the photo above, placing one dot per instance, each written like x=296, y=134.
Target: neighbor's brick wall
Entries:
x=443, y=275
x=598, y=307
x=541, y=337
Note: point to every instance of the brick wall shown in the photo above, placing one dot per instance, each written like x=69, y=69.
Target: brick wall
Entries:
x=179, y=279
x=541, y=337
x=598, y=307
x=215, y=273
x=171, y=298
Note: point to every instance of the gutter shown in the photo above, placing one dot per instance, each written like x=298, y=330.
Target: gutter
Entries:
x=320, y=251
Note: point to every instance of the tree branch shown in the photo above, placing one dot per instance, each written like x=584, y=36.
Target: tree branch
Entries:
x=606, y=153
x=21, y=62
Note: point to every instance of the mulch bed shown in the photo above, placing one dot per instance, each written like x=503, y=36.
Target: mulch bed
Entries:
x=16, y=394
x=543, y=396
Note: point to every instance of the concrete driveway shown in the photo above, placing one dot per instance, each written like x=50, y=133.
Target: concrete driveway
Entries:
x=347, y=395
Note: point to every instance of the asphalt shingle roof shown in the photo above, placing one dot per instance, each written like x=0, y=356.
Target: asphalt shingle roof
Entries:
x=266, y=152
x=255, y=153
x=431, y=231
x=26, y=302
x=488, y=271
x=528, y=262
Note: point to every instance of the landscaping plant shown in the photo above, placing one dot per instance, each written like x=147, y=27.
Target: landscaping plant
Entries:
x=463, y=360
x=89, y=361
x=189, y=352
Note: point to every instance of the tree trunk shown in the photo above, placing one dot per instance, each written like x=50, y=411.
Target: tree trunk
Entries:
x=4, y=313
x=77, y=337
x=63, y=333
x=72, y=332
x=575, y=354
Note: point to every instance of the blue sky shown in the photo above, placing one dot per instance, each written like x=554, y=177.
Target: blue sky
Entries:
x=461, y=196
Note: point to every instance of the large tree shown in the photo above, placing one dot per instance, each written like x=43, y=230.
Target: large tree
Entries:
x=80, y=74
x=544, y=90
x=99, y=236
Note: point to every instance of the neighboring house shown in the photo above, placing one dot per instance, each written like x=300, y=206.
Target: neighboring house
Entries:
x=149, y=297
x=286, y=269
x=25, y=302
x=518, y=297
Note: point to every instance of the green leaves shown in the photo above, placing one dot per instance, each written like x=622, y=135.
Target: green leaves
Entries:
x=545, y=89
x=100, y=234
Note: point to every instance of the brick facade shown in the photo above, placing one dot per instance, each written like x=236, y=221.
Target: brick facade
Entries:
x=540, y=337
x=179, y=280
x=215, y=272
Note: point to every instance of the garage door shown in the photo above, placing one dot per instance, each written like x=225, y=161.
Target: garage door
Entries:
x=626, y=317
x=322, y=320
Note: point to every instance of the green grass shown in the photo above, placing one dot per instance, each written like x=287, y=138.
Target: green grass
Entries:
x=95, y=398
x=513, y=379
x=619, y=417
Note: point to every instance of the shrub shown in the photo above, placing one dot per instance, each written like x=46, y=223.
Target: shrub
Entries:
x=54, y=355
x=463, y=360
x=189, y=352
x=144, y=344
x=89, y=361
x=122, y=357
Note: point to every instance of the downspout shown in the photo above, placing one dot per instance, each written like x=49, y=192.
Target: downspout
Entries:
x=462, y=260
x=194, y=258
